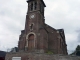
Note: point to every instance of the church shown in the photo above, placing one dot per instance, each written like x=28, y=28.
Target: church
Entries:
x=37, y=36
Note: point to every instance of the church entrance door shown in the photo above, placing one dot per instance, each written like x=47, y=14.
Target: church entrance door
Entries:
x=30, y=42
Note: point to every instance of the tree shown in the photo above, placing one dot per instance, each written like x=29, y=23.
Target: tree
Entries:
x=78, y=50
x=15, y=49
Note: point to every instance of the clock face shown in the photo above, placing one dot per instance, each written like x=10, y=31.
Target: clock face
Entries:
x=32, y=16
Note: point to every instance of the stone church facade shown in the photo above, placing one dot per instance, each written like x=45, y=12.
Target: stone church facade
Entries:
x=37, y=35
x=38, y=38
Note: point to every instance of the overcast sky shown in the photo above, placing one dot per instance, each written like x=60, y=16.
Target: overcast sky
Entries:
x=58, y=14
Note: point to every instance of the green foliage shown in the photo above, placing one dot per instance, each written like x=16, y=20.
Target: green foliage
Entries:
x=49, y=52
x=77, y=51
x=78, y=48
x=73, y=53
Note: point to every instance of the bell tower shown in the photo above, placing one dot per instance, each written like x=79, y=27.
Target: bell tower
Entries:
x=34, y=22
x=36, y=5
x=35, y=14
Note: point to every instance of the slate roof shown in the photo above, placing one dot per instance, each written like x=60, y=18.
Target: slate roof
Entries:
x=2, y=54
x=60, y=30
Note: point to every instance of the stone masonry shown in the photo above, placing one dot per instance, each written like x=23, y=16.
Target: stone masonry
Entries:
x=38, y=56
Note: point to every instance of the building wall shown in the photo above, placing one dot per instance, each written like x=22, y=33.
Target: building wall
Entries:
x=56, y=43
x=43, y=40
x=52, y=40
x=46, y=39
x=36, y=56
x=22, y=41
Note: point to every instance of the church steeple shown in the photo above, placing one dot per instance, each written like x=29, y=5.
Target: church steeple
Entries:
x=34, y=21
x=36, y=5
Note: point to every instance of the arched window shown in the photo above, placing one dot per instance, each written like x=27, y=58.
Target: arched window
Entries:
x=31, y=6
x=35, y=5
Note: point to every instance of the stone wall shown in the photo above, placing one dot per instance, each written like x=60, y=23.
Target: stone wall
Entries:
x=38, y=56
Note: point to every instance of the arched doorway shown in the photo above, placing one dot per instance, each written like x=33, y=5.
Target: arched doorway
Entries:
x=30, y=42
